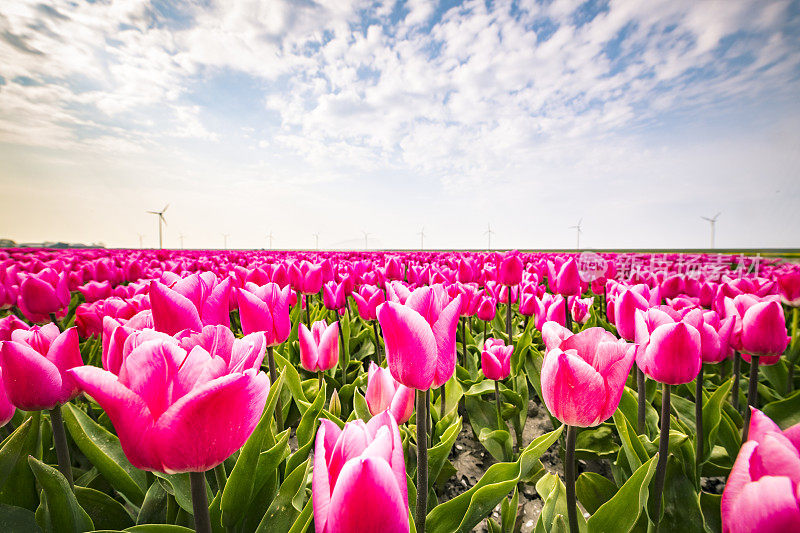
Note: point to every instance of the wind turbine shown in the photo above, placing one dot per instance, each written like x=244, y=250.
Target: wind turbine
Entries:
x=270, y=240
x=160, y=220
x=366, y=239
x=489, y=232
x=316, y=240
x=180, y=237
x=713, y=221
x=422, y=238
x=578, y=231
x=141, y=243
x=225, y=239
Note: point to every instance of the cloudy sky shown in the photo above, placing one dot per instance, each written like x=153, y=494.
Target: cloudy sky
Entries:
x=337, y=117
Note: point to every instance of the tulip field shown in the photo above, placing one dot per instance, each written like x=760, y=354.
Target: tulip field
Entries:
x=162, y=391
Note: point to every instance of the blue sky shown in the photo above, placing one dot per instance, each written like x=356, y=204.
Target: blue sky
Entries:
x=342, y=116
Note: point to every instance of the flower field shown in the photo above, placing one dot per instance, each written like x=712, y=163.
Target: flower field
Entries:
x=237, y=391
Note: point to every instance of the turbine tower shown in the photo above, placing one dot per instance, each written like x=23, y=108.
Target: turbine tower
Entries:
x=225, y=239
x=489, y=232
x=161, y=219
x=180, y=237
x=713, y=222
x=578, y=231
x=366, y=239
x=422, y=238
x=316, y=240
x=270, y=239
x=141, y=242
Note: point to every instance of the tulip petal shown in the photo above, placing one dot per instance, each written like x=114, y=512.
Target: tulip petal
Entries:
x=172, y=312
x=410, y=345
x=573, y=391
x=32, y=382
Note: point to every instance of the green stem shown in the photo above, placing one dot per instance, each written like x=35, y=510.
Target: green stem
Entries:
x=202, y=520
x=60, y=441
x=752, y=395
x=567, y=314
x=319, y=379
x=508, y=316
x=569, y=477
x=737, y=364
x=221, y=475
x=663, y=447
x=500, y=423
x=273, y=377
x=443, y=396
x=422, y=461
x=464, y=341
x=377, y=342
x=792, y=350
x=308, y=311
x=641, y=385
x=343, y=354
x=698, y=419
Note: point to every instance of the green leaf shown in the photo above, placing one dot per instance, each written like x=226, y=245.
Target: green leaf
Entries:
x=17, y=520
x=104, y=451
x=360, y=407
x=785, y=412
x=159, y=528
x=712, y=414
x=709, y=504
x=240, y=486
x=282, y=513
x=292, y=381
x=304, y=520
x=596, y=443
x=508, y=513
x=634, y=450
x=629, y=406
x=65, y=513
x=466, y=510
x=439, y=453
x=554, y=493
x=681, y=501
x=617, y=514
x=154, y=507
x=105, y=511
x=180, y=486
x=593, y=490
x=17, y=484
x=497, y=442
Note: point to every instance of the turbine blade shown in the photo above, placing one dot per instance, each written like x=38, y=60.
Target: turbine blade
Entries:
x=165, y=208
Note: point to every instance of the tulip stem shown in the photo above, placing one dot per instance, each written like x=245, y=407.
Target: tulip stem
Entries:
x=663, y=447
x=698, y=419
x=737, y=364
x=464, y=341
x=308, y=311
x=792, y=350
x=752, y=395
x=567, y=314
x=443, y=395
x=569, y=477
x=377, y=342
x=341, y=343
x=56, y=322
x=508, y=316
x=319, y=379
x=422, y=461
x=60, y=441
x=641, y=384
x=500, y=423
x=202, y=520
x=221, y=475
x=273, y=377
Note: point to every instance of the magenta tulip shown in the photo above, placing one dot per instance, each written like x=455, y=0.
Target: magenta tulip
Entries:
x=496, y=359
x=384, y=392
x=368, y=298
x=35, y=364
x=319, y=348
x=420, y=337
x=764, y=332
x=42, y=294
x=671, y=353
x=761, y=492
x=265, y=309
x=625, y=307
x=510, y=271
x=8, y=324
x=176, y=411
x=190, y=303
x=359, y=479
x=583, y=378
x=789, y=288
x=567, y=279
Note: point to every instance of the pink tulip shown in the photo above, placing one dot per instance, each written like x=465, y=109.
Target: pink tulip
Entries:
x=761, y=494
x=95, y=290
x=496, y=359
x=510, y=271
x=764, y=332
x=580, y=309
x=669, y=352
x=397, y=291
x=394, y=269
x=549, y=308
x=711, y=349
x=191, y=303
x=566, y=281
x=625, y=307
x=583, y=378
x=43, y=293
x=7, y=408
x=35, y=363
x=266, y=309
x=420, y=337
x=789, y=288
x=333, y=296
x=359, y=479
x=319, y=348
x=487, y=308
x=8, y=324
x=368, y=298
x=384, y=392
x=177, y=412
x=219, y=341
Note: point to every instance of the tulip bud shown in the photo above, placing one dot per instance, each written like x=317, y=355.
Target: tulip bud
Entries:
x=335, y=404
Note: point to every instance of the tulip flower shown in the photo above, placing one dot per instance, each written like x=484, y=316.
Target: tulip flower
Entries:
x=43, y=295
x=582, y=383
x=509, y=274
x=580, y=308
x=95, y=290
x=671, y=354
x=368, y=299
x=178, y=412
x=319, y=348
x=421, y=351
x=190, y=303
x=359, y=479
x=8, y=324
x=789, y=288
x=334, y=297
x=761, y=492
x=549, y=308
x=496, y=359
x=384, y=392
x=35, y=364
